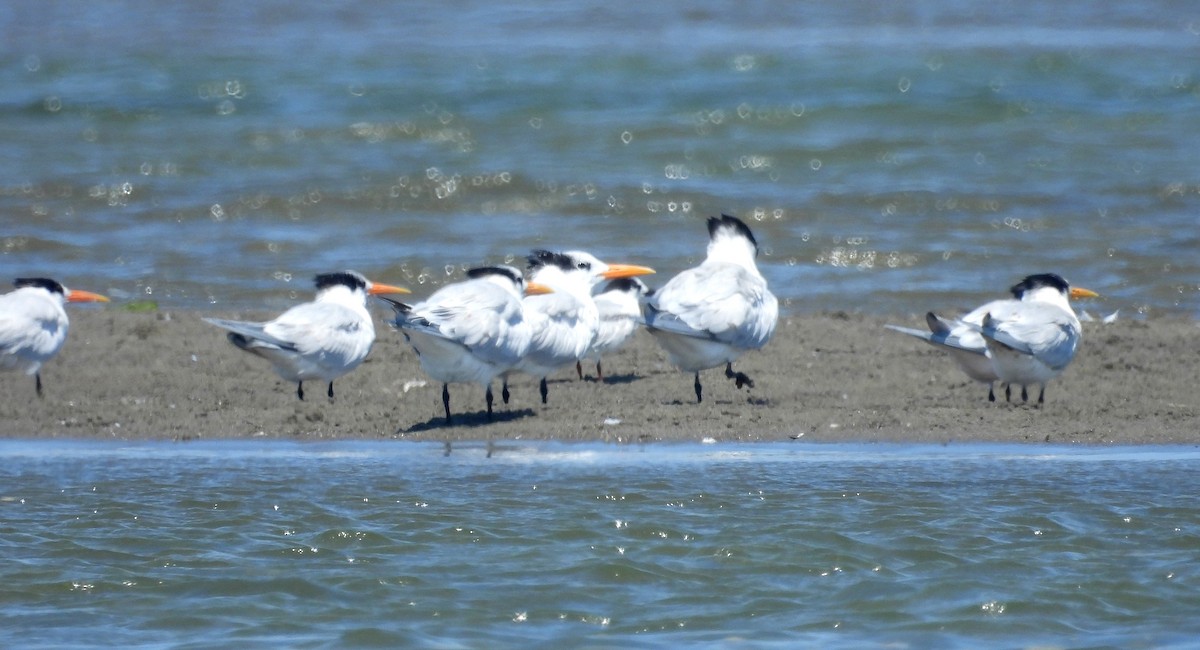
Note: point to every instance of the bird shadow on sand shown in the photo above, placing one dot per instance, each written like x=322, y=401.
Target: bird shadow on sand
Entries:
x=468, y=420
x=612, y=379
x=722, y=401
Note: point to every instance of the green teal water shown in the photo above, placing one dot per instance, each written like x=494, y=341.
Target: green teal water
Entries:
x=331, y=545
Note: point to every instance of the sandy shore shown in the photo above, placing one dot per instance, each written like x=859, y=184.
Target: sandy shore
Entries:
x=824, y=377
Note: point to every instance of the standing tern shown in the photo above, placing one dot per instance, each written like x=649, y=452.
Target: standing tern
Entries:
x=713, y=313
x=620, y=308
x=33, y=324
x=470, y=331
x=1033, y=339
x=565, y=322
x=323, y=339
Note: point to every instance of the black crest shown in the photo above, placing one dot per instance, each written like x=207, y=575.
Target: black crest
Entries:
x=506, y=271
x=628, y=285
x=41, y=283
x=539, y=258
x=349, y=279
x=725, y=221
x=1038, y=281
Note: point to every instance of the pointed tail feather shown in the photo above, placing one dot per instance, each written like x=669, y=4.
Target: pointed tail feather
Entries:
x=245, y=334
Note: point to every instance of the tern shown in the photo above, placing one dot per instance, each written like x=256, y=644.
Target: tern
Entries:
x=620, y=307
x=713, y=313
x=566, y=321
x=33, y=324
x=470, y=331
x=323, y=339
x=1032, y=340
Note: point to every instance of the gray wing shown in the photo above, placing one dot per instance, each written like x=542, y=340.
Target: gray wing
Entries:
x=406, y=320
x=1045, y=332
x=990, y=332
x=657, y=319
x=461, y=315
x=250, y=332
x=717, y=302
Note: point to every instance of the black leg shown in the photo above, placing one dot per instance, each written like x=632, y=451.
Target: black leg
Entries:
x=1024, y=394
x=599, y=371
x=991, y=394
x=37, y=381
x=739, y=378
x=579, y=368
x=699, y=398
x=446, y=402
x=543, y=389
x=300, y=390
x=1008, y=392
x=504, y=391
x=488, y=395
x=330, y=391
x=1042, y=395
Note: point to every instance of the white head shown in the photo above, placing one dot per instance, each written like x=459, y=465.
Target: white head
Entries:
x=577, y=271
x=351, y=281
x=350, y=286
x=1049, y=287
x=574, y=272
x=56, y=291
x=506, y=277
x=730, y=240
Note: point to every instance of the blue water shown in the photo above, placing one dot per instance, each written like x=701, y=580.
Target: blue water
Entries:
x=340, y=544
x=891, y=159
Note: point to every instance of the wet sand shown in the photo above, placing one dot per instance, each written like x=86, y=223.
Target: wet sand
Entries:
x=824, y=377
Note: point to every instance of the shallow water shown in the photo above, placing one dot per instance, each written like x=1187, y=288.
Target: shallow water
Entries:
x=556, y=545
x=217, y=155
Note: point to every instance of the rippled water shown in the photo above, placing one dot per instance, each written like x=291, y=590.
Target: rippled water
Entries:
x=892, y=159
x=554, y=545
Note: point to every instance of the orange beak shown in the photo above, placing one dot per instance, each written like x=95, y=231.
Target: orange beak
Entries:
x=625, y=271
x=535, y=289
x=75, y=295
x=377, y=289
x=1077, y=292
